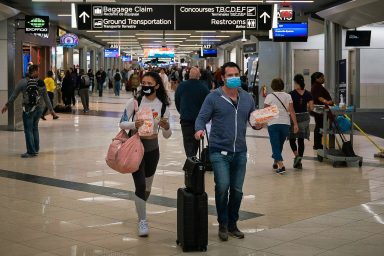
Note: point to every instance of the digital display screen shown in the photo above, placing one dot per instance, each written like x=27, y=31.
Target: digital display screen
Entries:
x=126, y=58
x=209, y=52
x=111, y=53
x=159, y=53
x=358, y=38
x=291, y=32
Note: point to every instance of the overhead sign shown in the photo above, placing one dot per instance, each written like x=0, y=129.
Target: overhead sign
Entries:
x=37, y=24
x=125, y=17
x=223, y=17
x=264, y=17
x=248, y=48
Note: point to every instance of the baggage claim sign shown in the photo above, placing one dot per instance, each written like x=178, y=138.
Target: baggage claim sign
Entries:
x=177, y=17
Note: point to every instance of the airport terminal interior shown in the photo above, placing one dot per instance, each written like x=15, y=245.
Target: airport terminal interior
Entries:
x=67, y=201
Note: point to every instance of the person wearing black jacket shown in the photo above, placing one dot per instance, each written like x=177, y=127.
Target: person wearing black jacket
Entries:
x=100, y=78
x=91, y=78
x=189, y=98
x=320, y=96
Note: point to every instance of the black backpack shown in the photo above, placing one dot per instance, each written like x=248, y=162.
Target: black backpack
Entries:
x=117, y=77
x=32, y=96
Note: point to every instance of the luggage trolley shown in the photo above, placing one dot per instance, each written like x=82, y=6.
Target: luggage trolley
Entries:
x=335, y=155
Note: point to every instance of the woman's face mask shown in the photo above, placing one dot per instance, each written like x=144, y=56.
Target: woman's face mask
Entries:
x=148, y=90
x=233, y=82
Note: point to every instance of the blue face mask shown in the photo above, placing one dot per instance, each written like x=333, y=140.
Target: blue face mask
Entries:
x=233, y=82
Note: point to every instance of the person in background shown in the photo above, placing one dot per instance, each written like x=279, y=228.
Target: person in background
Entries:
x=117, y=82
x=189, y=97
x=31, y=113
x=110, y=78
x=75, y=85
x=85, y=82
x=51, y=86
x=302, y=103
x=229, y=108
x=320, y=96
x=278, y=128
x=154, y=96
x=66, y=88
x=134, y=81
x=100, y=78
x=209, y=78
x=164, y=77
x=217, y=78
x=91, y=78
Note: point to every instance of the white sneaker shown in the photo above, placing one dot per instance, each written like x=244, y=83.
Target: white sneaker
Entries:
x=143, y=228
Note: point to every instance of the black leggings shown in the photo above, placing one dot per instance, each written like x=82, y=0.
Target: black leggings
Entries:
x=300, y=142
x=146, y=170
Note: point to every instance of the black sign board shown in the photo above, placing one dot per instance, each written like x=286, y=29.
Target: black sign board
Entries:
x=37, y=24
x=84, y=20
x=125, y=17
x=248, y=48
x=222, y=17
x=264, y=17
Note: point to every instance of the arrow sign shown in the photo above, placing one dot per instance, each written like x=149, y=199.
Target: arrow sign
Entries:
x=264, y=20
x=84, y=15
x=265, y=16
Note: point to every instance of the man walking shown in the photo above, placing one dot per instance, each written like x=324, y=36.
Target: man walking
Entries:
x=100, y=78
x=33, y=90
x=229, y=108
x=189, y=97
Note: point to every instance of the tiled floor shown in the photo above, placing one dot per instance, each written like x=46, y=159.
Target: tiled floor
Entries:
x=320, y=210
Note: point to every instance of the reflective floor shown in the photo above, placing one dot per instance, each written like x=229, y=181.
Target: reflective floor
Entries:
x=68, y=202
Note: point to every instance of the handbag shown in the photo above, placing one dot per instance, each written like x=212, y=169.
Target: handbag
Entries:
x=126, y=151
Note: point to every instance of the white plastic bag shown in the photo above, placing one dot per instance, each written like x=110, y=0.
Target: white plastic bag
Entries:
x=264, y=115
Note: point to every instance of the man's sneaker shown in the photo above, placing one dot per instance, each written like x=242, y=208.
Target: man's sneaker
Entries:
x=280, y=170
x=235, y=232
x=274, y=166
x=297, y=162
x=143, y=228
x=27, y=155
x=223, y=233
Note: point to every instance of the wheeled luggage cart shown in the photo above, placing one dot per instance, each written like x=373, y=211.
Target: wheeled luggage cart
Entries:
x=336, y=156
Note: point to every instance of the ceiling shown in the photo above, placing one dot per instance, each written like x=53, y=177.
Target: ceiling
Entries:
x=135, y=40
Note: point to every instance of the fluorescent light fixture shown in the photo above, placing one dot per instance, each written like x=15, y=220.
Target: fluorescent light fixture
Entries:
x=159, y=34
x=57, y=1
x=158, y=38
x=291, y=1
x=246, y=1
x=100, y=1
x=169, y=41
x=202, y=31
x=115, y=36
x=211, y=36
x=102, y=31
x=231, y=31
x=119, y=40
x=204, y=40
x=64, y=15
x=73, y=14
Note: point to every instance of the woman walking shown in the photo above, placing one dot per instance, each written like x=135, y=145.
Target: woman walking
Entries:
x=278, y=128
x=302, y=104
x=152, y=97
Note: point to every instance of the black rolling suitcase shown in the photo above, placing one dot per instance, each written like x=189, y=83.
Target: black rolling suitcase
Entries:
x=194, y=175
x=192, y=220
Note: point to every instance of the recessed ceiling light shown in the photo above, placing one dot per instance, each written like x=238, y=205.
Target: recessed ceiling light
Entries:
x=204, y=40
x=210, y=36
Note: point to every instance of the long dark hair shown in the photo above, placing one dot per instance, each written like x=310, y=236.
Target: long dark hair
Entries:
x=299, y=79
x=161, y=93
x=316, y=76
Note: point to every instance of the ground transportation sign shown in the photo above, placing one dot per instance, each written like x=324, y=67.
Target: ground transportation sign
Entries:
x=174, y=17
x=125, y=17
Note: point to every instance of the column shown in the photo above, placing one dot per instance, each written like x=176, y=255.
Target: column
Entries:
x=68, y=58
x=83, y=58
x=333, y=53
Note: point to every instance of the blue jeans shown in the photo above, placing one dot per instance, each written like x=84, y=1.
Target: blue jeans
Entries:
x=31, y=130
x=229, y=171
x=117, y=88
x=277, y=135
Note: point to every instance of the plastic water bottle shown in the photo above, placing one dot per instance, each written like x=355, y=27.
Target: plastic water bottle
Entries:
x=342, y=103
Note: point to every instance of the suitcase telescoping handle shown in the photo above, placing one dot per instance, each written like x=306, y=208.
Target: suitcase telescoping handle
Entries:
x=201, y=145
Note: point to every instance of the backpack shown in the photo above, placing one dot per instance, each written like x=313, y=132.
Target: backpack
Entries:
x=32, y=96
x=173, y=76
x=117, y=77
x=85, y=81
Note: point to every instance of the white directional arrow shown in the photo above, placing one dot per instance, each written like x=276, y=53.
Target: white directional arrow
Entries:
x=265, y=16
x=85, y=15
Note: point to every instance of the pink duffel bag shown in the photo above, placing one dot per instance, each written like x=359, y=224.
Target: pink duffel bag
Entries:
x=125, y=153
